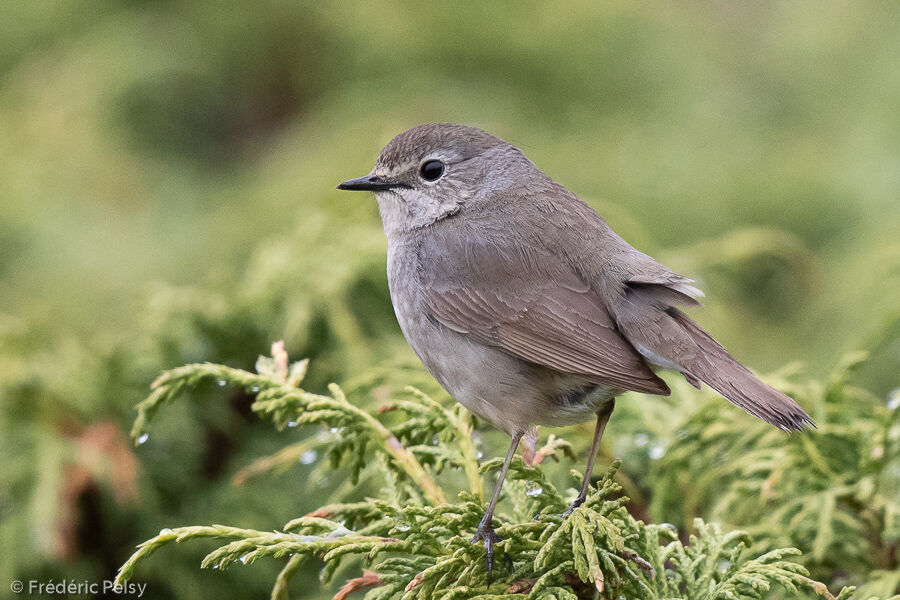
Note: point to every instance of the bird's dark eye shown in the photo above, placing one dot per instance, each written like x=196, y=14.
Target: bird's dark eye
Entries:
x=431, y=170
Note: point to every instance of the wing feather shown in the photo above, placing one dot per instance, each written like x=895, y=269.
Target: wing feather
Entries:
x=550, y=316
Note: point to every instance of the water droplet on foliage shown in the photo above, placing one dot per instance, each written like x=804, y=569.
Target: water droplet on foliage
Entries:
x=656, y=452
x=723, y=565
x=254, y=389
x=292, y=423
x=165, y=531
x=641, y=439
x=308, y=457
x=143, y=439
x=244, y=559
x=402, y=527
x=479, y=454
x=334, y=430
x=221, y=383
x=893, y=402
x=535, y=491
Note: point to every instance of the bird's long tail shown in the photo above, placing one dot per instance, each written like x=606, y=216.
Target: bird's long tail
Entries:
x=667, y=337
x=720, y=371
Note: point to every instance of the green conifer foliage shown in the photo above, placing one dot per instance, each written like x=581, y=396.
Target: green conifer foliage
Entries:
x=413, y=542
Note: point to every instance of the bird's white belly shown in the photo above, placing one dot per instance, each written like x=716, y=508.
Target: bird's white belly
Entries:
x=477, y=376
x=508, y=393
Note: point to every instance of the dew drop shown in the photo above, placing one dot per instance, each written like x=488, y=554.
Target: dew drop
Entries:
x=222, y=383
x=292, y=423
x=165, y=531
x=893, y=402
x=308, y=457
x=402, y=527
x=143, y=439
x=479, y=454
x=535, y=491
x=245, y=558
x=254, y=389
x=656, y=452
x=641, y=439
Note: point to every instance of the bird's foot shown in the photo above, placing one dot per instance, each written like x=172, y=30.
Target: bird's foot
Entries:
x=486, y=533
x=575, y=504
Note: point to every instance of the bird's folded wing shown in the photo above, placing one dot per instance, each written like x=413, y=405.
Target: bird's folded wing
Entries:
x=542, y=314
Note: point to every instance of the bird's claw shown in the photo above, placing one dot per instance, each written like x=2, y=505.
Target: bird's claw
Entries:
x=575, y=504
x=486, y=533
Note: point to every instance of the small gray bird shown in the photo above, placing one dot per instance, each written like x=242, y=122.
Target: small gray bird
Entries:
x=525, y=305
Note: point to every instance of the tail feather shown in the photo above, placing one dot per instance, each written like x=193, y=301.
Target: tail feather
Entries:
x=720, y=371
x=669, y=338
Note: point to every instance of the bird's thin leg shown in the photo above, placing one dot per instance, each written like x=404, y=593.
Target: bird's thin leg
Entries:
x=485, y=529
x=602, y=419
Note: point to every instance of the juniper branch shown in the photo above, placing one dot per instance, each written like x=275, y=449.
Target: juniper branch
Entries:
x=421, y=550
x=279, y=398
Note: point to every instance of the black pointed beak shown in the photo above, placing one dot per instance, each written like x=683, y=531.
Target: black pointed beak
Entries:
x=369, y=183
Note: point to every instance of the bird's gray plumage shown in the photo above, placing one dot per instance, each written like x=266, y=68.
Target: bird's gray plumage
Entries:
x=516, y=294
x=525, y=305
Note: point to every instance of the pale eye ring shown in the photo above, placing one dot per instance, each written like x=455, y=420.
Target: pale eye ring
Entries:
x=431, y=170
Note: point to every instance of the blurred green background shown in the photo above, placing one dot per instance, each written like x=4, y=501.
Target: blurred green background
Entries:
x=167, y=174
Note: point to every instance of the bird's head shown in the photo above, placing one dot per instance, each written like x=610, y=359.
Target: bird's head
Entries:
x=433, y=171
